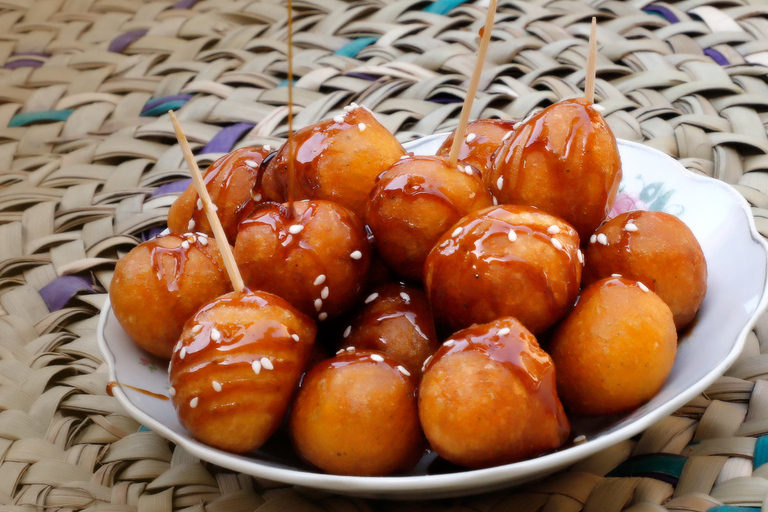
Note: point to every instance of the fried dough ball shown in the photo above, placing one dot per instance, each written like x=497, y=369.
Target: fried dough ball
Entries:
x=483, y=138
x=657, y=249
x=396, y=319
x=337, y=159
x=564, y=160
x=316, y=259
x=488, y=397
x=356, y=414
x=504, y=261
x=236, y=368
x=615, y=350
x=160, y=283
x=233, y=184
x=414, y=202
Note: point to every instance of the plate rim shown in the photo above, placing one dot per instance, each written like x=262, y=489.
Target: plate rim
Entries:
x=466, y=481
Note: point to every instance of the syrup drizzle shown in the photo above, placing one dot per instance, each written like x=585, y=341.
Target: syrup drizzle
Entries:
x=113, y=383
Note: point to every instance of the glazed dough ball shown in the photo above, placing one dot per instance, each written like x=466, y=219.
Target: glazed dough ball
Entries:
x=395, y=319
x=488, y=397
x=160, y=283
x=504, y=261
x=236, y=368
x=233, y=184
x=316, y=259
x=657, y=249
x=483, y=138
x=356, y=414
x=615, y=349
x=413, y=203
x=564, y=160
x=337, y=159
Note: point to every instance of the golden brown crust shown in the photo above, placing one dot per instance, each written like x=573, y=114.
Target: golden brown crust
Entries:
x=413, y=203
x=488, y=397
x=657, y=249
x=615, y=350
x=477, y=273
x=237, y=366
x=159, y=284
x=564, y=160
x=356, y=414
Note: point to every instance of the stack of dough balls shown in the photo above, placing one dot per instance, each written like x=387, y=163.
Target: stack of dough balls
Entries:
x=490, y=253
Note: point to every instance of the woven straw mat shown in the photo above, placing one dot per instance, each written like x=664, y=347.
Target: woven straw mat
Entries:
x=89, y=161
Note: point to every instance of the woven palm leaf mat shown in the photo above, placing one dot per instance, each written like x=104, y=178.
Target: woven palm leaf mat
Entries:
x=90, y=166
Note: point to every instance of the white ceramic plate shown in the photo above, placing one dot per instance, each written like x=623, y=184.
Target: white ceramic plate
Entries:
x=736, y=295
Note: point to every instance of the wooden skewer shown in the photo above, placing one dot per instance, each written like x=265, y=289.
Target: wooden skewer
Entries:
x=589, y=80
x=209, y=208
x=482, y=50
x=291, y=169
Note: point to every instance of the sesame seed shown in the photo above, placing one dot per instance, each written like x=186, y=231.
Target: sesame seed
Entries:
x=426, y=362
x=516, y=126
x=295, y=337
x=252, y=164
x=354, y=105
x=500, y=182
x=468, y=170
x=183, y=353
x=196, y=329
x=256, y=367
x=193, y=402
x=449, y=343
x=348, y=108
x=402, y=370
x=361, y=127
x=295, y=229
x=322, y=316
x=324, y=293
x=593, y=239
x=347, y=331
x=203, y=240
x=615, y=275
x=172, y=391
x=556, y=243
x=214, y=207
x=371, y=297
x=630, y=227
x=643, y=287
x=256, y=196
x=457, y=232
x=471, y=137
x=495, y=201
x=512, y=235
x=598, y=108
x=553, y=230
x=319, y=279
x=507, y=135
x=267, y=147
x=504, y=331
x=338, y=119
x=350, y=349
x=377, y=358
x=602, y=239
x=318, y=304
x=579, y=439
x=199, y=204
x=356, y=255
x=580, y=255
x=185, y=244
x=215, y=334
x=405, y=296
x=178, y=346
x=266, y=363
x=216, y=386
x=339, y=352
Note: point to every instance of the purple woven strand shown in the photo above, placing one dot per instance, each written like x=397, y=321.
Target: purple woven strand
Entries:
x=716, y=56
x=121, y=42
x=158, y=101
x=58, y=292
x=224, y=141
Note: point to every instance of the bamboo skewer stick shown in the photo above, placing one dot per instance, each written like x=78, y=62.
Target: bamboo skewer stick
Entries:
x=291, y=168
x=209, y=208
x=482, y=50
x=589, y=80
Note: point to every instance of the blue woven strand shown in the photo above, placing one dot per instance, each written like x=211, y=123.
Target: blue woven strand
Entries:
x=760, y=456
x=443, y=6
